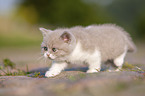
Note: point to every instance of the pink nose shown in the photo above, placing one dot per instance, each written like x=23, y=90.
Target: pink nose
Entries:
x=48, y=55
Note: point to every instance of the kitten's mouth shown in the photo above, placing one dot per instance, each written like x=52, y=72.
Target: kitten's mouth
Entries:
x=50, y=58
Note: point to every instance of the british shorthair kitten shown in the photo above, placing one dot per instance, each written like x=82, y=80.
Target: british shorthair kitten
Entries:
x=93, y=45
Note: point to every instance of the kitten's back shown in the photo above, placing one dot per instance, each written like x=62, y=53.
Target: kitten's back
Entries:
x=111, y=28
x=110, y=39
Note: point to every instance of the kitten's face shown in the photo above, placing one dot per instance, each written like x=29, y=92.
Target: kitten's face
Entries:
x=57, y=45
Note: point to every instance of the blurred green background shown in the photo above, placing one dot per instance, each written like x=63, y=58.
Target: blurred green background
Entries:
x=20, y=19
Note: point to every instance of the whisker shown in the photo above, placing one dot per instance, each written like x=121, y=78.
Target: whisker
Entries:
x=42, y=60
x=45, y=60
x=41, y=57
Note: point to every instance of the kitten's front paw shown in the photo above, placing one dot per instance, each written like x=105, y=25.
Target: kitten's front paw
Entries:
x=51, y=73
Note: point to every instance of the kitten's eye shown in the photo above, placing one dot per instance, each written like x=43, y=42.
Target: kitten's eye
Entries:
x=54, y=49
x=45, y=48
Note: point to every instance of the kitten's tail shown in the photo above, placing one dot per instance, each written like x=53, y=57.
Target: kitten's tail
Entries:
x=131, y=47
x=130, y=43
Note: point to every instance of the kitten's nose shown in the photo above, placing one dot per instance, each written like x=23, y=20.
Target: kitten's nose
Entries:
x=48, y=55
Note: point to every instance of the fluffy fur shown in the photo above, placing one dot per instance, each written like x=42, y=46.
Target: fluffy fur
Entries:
x=93, y=45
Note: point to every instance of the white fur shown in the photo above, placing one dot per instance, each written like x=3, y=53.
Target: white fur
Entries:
x=94, y=62
x=78, y=54
x=55, y=69
x=93, y=59
x=120, y=60
x=52, y=56
x=46, y=54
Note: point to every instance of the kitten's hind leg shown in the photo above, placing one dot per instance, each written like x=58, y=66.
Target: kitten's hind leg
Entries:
x=94, y=67
x=119, y=61
x=55, y=69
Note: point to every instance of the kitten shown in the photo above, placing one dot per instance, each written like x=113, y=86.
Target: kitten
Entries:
x=93, y=45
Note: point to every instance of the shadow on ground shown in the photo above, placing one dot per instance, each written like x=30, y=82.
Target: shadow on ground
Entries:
x=43, y=70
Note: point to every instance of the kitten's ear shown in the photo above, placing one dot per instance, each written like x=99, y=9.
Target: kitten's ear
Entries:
x=44, y=31
x=66, y=37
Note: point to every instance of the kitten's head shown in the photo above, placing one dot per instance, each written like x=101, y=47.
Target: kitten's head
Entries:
x=57, y=44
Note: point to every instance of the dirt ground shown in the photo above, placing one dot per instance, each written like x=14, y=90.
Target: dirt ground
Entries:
x=73, y=81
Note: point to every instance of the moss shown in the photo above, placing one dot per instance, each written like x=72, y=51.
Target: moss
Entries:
x=128, y=66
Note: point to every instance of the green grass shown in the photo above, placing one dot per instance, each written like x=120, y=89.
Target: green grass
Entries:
x=8, y=66
x=130, y=67
x=37, y=75
x=8, y=63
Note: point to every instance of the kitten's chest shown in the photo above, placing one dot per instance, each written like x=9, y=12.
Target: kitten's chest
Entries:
x=78, y=55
